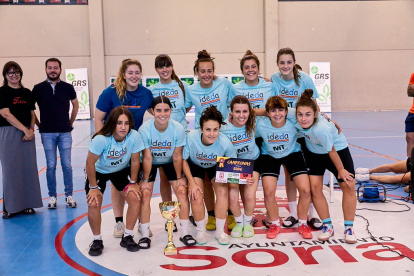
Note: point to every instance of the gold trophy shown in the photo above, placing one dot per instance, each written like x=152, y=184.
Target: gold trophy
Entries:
x=169, y=210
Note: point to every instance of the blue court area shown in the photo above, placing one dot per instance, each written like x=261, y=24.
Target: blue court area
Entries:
x=54, y=242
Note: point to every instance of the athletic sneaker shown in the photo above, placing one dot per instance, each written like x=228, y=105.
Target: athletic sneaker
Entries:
x=52, y=204
x=222, y=238
x=139, y=230
x=350, y=235
x=96, y=247
x=129, y=243
x=119, y=229
x=211, y=223
x=305, y=232
x=231, y=222
x=273, y=231
x=326, y=233
x=237, y=231
x=362, y=171
x=362, y=177
x=201, y=237
x=70, y=202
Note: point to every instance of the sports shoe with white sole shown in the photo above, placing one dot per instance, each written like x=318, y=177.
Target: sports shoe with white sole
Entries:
x=326, y=233
x=362, y=177
x=222, y=238
x=119, y=229
x=305, y=231
x=70, y=202
x=350, y=235
x=52, y=204
x=139, y=230
x=362, y=171
x=201, y=237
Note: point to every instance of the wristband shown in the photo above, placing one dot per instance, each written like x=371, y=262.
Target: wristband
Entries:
x=145, y=180
x=126, y=187
x=178, y=178
x=130, y=181
x=94, y=187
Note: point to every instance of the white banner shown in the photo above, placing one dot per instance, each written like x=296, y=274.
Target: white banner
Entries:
x=79, y=79
x=320, y=73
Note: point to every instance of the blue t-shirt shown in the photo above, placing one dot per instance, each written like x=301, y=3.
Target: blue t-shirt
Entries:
x=244, y=143
x=176, y=96
x=277, y=142
x=137, y=102
x=206, y=156
x=257, y=94
x=321, y=136
x=114, y=156
x=289, y=90
x=162, y=144
x=202, y=98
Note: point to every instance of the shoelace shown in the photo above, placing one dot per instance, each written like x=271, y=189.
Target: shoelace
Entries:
x=349, y=231
x=325, y=229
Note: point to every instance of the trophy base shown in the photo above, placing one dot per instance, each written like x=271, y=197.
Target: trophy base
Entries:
x=170, y=251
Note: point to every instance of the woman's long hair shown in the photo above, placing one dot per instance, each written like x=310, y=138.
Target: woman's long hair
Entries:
x=120, y=83
x=111, y=123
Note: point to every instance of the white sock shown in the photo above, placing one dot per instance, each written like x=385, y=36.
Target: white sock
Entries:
x=247, y=220
x=312, y=212
x=220, y=224
x=239, y=219
x=276, y=222
x=145, y=229
x=128, y=232
x=201, y=224
x=184, y=227
x=97, y=237
x=293, y=207
x=302, y=221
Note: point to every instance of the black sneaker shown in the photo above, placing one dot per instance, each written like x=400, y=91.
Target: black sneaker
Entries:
x=96, y=247
x=129, y=243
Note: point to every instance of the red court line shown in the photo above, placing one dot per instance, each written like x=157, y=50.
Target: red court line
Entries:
x=374, y=152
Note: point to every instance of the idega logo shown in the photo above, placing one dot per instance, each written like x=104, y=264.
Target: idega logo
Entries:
x=314, y=70
x=206, y=157
x=160, y=145
x=210, y=99
x=253, y=97
x=112, y=153
x=284, y=93
x=169, y=93
x=71, y=77
x=274, y=138
x=237, y=138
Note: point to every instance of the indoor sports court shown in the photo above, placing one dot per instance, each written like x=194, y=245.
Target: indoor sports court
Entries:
x=371, y=58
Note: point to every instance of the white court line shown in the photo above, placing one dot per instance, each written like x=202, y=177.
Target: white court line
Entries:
x=374, y=137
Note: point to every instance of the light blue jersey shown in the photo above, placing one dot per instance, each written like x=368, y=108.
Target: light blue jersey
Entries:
x=321, y=136
x=202, y=98
x=257, y=94
x=115, y=156
x=176, y=96
x=277, y=142
x=244, y=143
x=289, y=90
x=206, y=156
x=162, y=144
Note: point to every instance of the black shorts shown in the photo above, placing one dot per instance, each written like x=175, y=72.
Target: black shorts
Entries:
x=168, y=168
x=294, y=163
x=302, y=142
x=200, y=172
x=119, y=180
x=318, y=163
x=259, y=142
x=409, y=123
x=257, y=164
x=408, y=164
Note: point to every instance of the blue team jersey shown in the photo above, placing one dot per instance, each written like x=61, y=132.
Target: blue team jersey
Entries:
x=289, y=90
x=137, y=102
x=321, y=136
x=176, y=96
x=277, y=142
x=206, y=156
x=257, y=94
x=244, y=143
x=162, y=144
x=115, y=156
x=202, y=98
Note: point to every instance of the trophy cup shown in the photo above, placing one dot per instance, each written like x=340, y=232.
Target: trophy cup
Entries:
x=169, y=210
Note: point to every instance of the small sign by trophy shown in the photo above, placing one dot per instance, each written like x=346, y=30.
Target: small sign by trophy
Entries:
x=169, y=210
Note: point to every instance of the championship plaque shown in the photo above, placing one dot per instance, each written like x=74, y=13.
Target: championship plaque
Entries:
x=233, y=170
